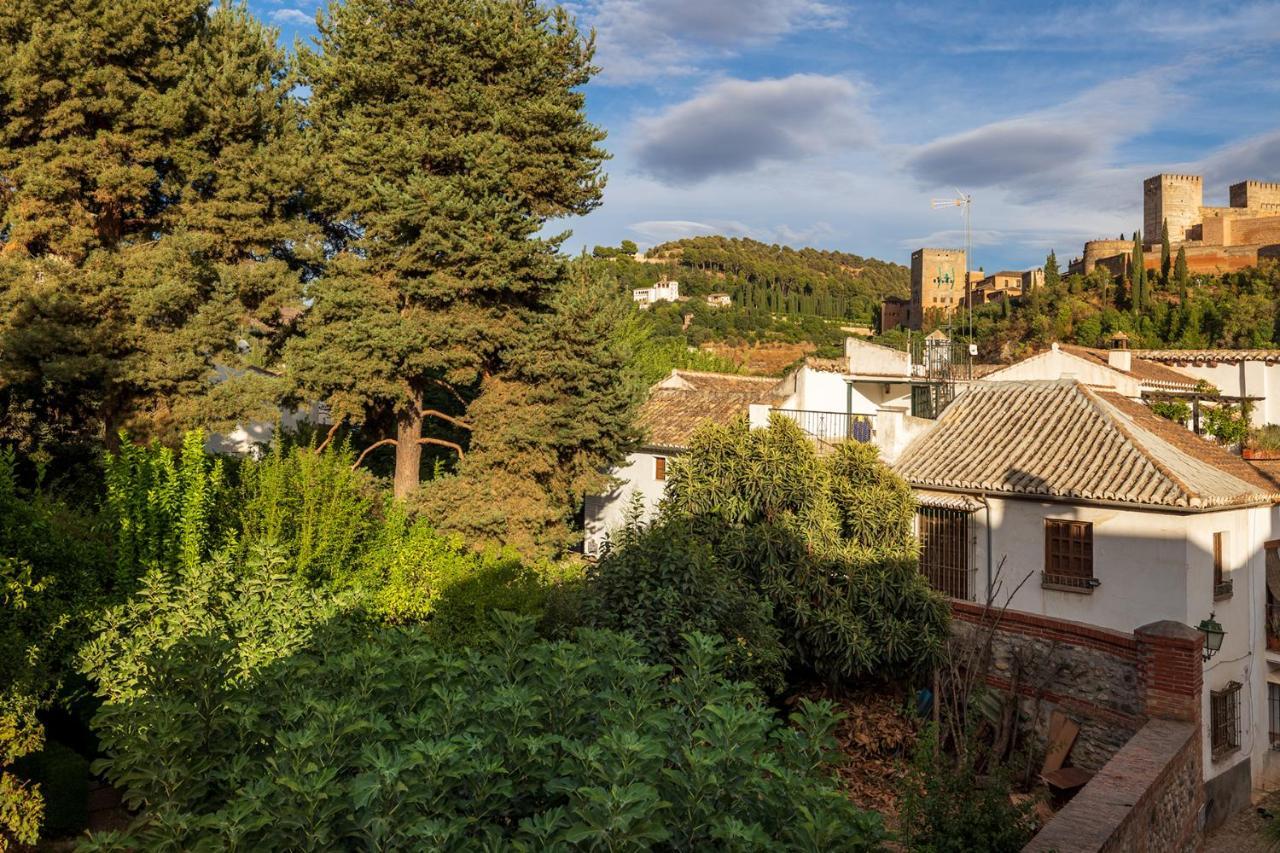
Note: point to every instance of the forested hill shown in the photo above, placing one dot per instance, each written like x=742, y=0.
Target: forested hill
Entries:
x=800, y=281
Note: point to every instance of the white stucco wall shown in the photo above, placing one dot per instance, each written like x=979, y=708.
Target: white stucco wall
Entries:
x=1244, y=379
x=605, y=513
x=1153, y=566
x=874, y=360
x=1056, y=364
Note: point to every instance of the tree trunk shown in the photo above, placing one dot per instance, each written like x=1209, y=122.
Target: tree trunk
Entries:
x=408, y=452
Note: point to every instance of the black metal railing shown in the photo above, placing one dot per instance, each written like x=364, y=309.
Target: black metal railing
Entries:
x=830, y=426
x=1076, y=583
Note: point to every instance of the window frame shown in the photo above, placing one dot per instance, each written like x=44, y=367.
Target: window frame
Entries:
x=1222, y=584
x=1077, y=535
x=1224, y=719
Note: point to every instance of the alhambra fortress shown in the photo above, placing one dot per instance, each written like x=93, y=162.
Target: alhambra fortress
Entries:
x=1215, y=239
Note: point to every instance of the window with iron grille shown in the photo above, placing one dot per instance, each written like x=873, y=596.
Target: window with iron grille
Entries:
x=1224, y=719
x=944, y=549
x=1273, y=714
x=1068, y=555
x=1221, y=583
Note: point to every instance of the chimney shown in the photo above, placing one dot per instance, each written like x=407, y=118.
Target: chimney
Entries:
x=1119, y=356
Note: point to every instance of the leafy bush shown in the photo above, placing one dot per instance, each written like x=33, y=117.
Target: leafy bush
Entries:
x=411, y=573
x=233, y=730
x=826, y=539
x=1227, y=423
x=311, y=506
x=167, y=509
x=948, y=808
x=1176, y=410
x=63, y=777
x=1265, y=438
x=665, y=581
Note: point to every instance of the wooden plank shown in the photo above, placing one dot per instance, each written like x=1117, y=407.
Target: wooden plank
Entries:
x=1067, y=778
x=1062, y=736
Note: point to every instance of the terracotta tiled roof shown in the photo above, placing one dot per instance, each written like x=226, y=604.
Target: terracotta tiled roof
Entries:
x=1145, y=371
x=1062, y=440
x=1193, y=356
x=946, y=500
x=684, y=400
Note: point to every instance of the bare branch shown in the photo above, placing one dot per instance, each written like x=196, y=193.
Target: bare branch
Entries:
x=434, y=413
x=440, y=441
x=333, y=430
x=373, y=446
x=446, y=386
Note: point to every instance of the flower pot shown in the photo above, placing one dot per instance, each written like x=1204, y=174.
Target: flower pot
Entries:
x=1258, y=453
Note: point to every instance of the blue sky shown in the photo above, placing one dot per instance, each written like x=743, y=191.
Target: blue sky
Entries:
x=833, y=124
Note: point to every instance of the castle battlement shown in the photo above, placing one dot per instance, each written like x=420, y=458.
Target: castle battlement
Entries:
x=1169, y=176
x=1262, y=185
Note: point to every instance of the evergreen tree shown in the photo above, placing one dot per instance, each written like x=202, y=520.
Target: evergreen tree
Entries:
x=1180, y=274
x=1052, y=276
x=1138, y=276
x=445, y=134
x=1165, y=256
x=150, y=220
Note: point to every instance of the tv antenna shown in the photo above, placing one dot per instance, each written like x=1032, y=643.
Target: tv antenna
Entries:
x=964, y=201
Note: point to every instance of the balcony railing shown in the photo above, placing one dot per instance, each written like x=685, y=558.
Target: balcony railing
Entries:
x=830, y=426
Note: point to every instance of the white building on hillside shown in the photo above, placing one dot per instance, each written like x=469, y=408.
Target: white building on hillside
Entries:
x=1110, y=515
x=663, y=291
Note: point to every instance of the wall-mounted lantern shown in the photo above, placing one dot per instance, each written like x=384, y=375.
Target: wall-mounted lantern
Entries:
x=1213, y=635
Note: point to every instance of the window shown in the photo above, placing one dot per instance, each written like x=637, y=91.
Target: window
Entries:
x=1224, y=719
x=659, y=467
x=944, y=549
x=1221, y=583
x=1273, y=713
x=1068, y=555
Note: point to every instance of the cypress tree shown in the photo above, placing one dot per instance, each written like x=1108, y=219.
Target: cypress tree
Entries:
x=445, y=135
x=1138, y=292
x=1052, y=275
x=1180, y=274
x=1165, y=256
x=147, y=227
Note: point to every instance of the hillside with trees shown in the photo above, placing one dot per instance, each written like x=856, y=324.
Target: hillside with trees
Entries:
x=1163, y=308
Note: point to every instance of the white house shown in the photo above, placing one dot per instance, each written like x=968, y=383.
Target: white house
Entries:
x=663, y=291
x=1119, y=368
x=1079, y=503
x=1235, y=373
x=719, y=300
x=676, y=407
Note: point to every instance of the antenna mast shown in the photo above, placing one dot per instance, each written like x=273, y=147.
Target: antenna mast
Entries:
x=964, y=201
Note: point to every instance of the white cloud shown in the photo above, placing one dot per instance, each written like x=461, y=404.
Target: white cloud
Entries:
x=736, y=126
x=640, y=40
x=292, y=16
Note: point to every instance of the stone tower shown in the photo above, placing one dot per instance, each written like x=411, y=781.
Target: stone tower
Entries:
x=1176, y=199
x=1256, y=195
x=937, y=282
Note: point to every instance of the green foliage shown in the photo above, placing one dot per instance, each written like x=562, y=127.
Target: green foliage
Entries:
x=1166, y=259
x=1227, y=423
x=662, y=582
x=387, y=740
x=1265, y=438
x=151, y=216
x=410, y=573
x=1052, y=275
x=948, y=808
x=826, y=539
x=1176, y=410
x=310, y=507
x=445, y=135
x=21, y=802
x=164, y=506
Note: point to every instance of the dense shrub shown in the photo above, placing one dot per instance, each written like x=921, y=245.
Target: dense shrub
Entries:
x=63, y=777
x=251, y=720
x=948, y=808
x=827, y=539
x=664, y=581
x=411, y=573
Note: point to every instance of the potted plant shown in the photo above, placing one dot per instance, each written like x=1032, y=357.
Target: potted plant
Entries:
x=1263, y=443
x=1273, y=630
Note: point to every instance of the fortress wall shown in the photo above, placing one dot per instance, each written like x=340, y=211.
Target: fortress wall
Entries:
x=1255, y=195
x=1254, y=231
x=1175, y=199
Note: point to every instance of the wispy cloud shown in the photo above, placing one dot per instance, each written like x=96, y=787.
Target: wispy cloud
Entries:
x=644, y=40
x=296, y=17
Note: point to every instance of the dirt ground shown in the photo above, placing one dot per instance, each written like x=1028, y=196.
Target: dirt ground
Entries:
x=1243, y=832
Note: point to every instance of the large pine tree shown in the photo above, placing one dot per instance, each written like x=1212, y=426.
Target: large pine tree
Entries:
x=149, y=209
x=445, y=135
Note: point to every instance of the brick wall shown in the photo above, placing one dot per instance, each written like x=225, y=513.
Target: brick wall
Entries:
x=1137, y=698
